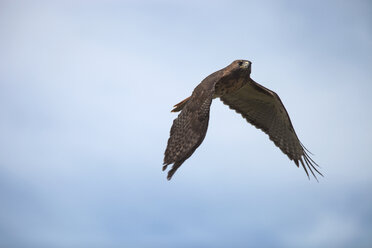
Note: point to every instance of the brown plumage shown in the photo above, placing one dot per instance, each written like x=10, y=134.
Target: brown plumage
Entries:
x=258, y=105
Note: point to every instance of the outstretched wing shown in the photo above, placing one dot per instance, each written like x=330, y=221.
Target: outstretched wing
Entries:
x=190, y=127
x=263, y=108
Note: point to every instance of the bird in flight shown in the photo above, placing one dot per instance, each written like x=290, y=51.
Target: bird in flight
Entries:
x=260, y=106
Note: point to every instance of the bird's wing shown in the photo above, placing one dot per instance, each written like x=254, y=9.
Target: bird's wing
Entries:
x=190, y=127
x=263, y=108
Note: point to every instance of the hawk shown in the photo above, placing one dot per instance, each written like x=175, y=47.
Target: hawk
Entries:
x=260, y=106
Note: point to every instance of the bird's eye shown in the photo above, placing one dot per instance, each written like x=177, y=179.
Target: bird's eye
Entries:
x=240, y=63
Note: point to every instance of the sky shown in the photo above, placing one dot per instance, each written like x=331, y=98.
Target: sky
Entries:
x=86, y=89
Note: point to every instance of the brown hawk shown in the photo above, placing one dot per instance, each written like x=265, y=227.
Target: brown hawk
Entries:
x=258, y=105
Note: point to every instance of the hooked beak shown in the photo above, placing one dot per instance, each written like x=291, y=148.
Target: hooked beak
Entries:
x=246, y=64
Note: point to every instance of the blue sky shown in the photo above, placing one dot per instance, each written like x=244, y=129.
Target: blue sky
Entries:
x=86, y=89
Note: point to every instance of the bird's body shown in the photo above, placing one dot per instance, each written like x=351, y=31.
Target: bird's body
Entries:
x=258, y=105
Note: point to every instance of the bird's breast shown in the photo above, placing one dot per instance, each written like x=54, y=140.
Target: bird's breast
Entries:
x=228, y=86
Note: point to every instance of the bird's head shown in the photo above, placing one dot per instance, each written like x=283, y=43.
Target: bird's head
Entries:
x=241, y=65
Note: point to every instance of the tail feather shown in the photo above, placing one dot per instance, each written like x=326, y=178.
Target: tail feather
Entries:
x=179, y=106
